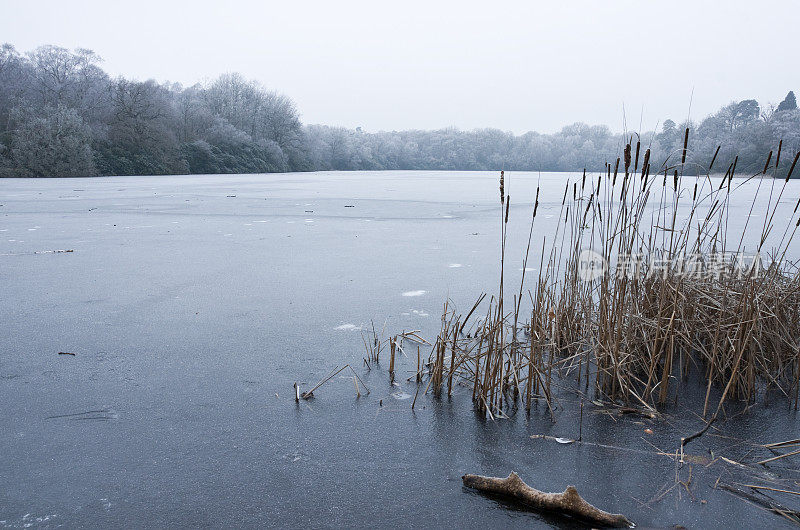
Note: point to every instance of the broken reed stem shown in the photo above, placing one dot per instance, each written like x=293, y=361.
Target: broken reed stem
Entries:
x=778, y=457
x=336, y=370
x=392, y=348
x=419, y=375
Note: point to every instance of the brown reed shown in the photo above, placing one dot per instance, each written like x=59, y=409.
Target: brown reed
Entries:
x=629, y=332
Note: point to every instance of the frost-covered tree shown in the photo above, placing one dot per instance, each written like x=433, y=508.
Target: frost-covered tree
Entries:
x=64, y=78
x=54, y=145
x=232, y=124
x=789, y=102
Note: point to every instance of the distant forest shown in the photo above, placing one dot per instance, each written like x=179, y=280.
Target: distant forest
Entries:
x=61, y=115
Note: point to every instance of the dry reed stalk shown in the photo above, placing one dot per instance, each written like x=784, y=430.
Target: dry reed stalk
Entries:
x=631, y=333
x=392, y=348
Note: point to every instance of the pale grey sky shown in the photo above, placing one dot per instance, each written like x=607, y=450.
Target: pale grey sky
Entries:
x=516, y=66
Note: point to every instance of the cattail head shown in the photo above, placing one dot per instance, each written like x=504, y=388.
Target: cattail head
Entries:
x=733, y=168
x=778, y=156
x=791, y=169
x=636, y=162
x=508, y=203
x=714, y=158
x=685, y=144
x=502, y=187
x=725, y=176
x=766, y=165
x=646, y=161
x=627, y=157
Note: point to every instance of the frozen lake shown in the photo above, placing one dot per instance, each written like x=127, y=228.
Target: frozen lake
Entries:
x=194, y=303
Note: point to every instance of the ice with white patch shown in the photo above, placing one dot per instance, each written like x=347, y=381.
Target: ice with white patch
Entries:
x=347, y=327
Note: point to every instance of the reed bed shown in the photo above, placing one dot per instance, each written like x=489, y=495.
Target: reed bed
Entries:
x=680, y=295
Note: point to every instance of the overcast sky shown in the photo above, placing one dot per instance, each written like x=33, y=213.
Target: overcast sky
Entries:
x=516, y=66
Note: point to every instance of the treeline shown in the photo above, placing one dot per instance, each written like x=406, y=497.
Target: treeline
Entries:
x=742, y=129
x=62, y=115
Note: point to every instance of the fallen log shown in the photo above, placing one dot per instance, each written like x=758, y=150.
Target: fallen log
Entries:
x=568, y=502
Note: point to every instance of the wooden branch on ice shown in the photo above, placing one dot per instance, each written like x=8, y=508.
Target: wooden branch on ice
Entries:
x=567, y=503
x=698, y=434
